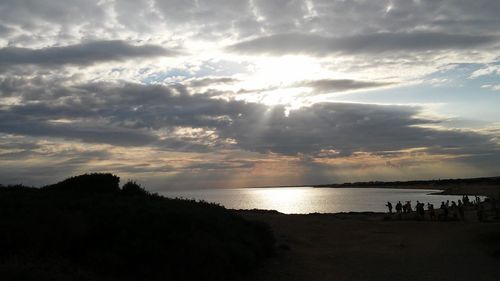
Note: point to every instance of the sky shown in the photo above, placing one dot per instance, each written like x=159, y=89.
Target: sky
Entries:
x=179, y=94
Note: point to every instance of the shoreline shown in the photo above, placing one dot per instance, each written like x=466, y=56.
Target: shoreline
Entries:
x=479, y=190
x=484, y=186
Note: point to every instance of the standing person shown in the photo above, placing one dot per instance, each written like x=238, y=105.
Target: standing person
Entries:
x=389, y=205
x=420, y=209
x=444, y=209
x=461, y=210
x=408, y=206
x=454, y=209
x=399, y=206
x=430, y=208
x=466, y=200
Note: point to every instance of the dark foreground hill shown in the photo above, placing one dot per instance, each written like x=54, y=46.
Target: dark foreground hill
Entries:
x=88, y=228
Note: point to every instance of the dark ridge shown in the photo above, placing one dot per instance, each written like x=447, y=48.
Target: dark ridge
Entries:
x=438, y=182
x=88, y=183
x=429, y=183
x=88, y=228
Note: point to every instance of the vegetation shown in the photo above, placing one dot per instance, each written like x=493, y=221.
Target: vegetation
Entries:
x=87, y=228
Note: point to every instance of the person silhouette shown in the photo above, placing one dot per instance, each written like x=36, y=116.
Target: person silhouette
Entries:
x=408, y=206
x=461, y=210
x=430, y=208
x=389, y=205
x=399, y=207
x=465, y=198
x=454, y=209
x=420, y=210
x=444, y=209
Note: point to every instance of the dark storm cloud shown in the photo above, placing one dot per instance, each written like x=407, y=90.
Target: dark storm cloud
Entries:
x=228, y=164
x=340, y=85
x=314, y=44
x=16, y=148
x=211, y=81
x=132, y=114
x=80, y=54
x=348, y=128
x=121, y=115
x=86, y=132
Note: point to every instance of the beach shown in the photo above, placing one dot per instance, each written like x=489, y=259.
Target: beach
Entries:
x=365, y=246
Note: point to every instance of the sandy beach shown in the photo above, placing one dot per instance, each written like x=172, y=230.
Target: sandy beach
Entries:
x=365, y=246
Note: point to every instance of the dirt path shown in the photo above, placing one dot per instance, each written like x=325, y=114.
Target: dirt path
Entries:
x=364, y=247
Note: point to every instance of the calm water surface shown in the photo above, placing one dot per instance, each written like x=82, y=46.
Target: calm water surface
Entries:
x=301, y=200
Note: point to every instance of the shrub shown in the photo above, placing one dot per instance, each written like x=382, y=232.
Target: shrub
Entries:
x=133, y=188
x=96, y=182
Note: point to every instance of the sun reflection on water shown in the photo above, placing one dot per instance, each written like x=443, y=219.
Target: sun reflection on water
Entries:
x=303, y=200
x=286, y=199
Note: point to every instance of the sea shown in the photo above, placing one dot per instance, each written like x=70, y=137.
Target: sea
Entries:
x=304, y=200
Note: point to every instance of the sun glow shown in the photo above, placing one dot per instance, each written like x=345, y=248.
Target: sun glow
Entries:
x=274, y=81
x=287, y=198
x=290, y=97
x=284, y=70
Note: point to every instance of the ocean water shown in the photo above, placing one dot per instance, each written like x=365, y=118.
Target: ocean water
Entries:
x=303, y=200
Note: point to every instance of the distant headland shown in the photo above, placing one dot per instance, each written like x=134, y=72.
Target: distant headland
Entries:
x=487, y=186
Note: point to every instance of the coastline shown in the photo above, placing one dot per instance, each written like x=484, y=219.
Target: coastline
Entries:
x=489, y=190
x=487, y=186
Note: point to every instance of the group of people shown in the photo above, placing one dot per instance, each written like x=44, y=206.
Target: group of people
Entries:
x=447, y=210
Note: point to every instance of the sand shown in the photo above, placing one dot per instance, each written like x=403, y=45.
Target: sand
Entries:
x=364, y=246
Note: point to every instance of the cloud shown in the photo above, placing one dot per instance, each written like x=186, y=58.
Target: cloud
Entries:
x=80, y=54
x=373, y=43
x=487, y=70
x=347, y=129
x=340, y=85
x=209, y=81
x=492, y=87
x=171, y=118
x=124, y=115
x=85, y=132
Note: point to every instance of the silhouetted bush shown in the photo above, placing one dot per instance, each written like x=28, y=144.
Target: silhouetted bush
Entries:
x=88, y=183
x=82, y=234
x=133, y=188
